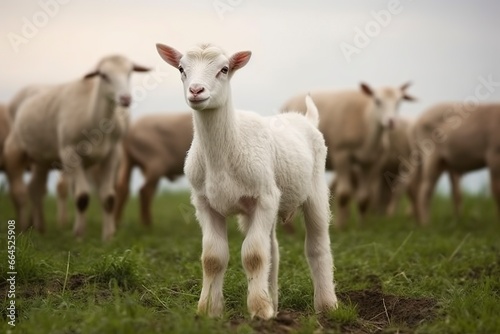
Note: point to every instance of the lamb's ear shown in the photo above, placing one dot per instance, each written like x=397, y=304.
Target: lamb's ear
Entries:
x=169, y=54
x=365, y=88
x=91, y=74
x=139, y=68
x=239, y=59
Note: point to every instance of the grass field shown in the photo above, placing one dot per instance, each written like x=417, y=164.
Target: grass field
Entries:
x=392, y=277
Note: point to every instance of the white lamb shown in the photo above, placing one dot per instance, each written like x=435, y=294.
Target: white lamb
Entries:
x=259, y=168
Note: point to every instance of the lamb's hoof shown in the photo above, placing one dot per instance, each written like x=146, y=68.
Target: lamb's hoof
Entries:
x=212, y=312
x=327, y=306
x=261, y=309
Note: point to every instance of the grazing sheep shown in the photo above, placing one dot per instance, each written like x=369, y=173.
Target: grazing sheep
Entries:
x=457, y=138
x=353, y=124
x=71, y=126
x=242, y=163
x=158, y=145
x=4, y=131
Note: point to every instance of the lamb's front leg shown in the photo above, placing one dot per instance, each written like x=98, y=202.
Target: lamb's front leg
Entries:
x=257, y=258
x=214, y=258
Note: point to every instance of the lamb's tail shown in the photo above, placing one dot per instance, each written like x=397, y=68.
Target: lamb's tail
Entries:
x=312, y=113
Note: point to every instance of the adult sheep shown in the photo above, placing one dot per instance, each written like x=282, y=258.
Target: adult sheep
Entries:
x=158, y=145
x=395, y=178
x=459, y=139
x=240, y=163
x=72, y=126
x=353, y=123
x=4, y=131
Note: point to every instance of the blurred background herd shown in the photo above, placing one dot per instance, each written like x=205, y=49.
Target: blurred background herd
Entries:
x=444, y=48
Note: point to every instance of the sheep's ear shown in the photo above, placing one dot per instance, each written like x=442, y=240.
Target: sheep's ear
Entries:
x=139, y=68
x=405, y=86
x=91, y=74
x=365, y=88
x=409, y=97
x=169, y=54
x=239, y=59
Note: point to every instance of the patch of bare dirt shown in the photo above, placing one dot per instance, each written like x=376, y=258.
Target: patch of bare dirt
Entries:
x=377, y=312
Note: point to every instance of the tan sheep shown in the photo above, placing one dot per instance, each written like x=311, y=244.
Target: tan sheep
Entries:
x=393, y=182
x=158, y=145
x=353, y=123
x=71, y=126
x=456, y=138
x=4, y=131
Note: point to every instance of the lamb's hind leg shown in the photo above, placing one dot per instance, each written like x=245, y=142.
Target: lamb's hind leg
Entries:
x=256, y=255
x=273, y=273
x=317, y=246
x=214, y=258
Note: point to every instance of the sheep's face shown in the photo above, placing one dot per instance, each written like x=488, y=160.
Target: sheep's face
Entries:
x=205, y=72
x=114, y=75
x=386, y=103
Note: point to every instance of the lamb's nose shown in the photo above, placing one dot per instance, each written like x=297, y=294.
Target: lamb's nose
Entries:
x=125, y=100
x=196, y=89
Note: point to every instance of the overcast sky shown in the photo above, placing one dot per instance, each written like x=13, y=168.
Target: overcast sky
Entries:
x=443, y=48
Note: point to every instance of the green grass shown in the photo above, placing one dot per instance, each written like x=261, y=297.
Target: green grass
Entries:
x=391, y=275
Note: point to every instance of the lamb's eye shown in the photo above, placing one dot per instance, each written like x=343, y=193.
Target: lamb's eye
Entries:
x=181, y=70
x=224, y=70
x=378, y=102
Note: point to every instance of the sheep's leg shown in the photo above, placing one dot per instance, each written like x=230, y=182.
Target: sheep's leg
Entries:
x=214, y=257
x=82, y=198
x=15, y=165
x=343, y=188
x=62, y=199
x=495, y=189
x=122, y=187
x=105, y=183
x=493, y=162
x=146, y=194
x=317, y=247
x=333, y=185
x=37, y=189
x=412, y=190
x=395, y=193
x=455, y=190
x=256, y=256
x=431, y=170
x=365, y=181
